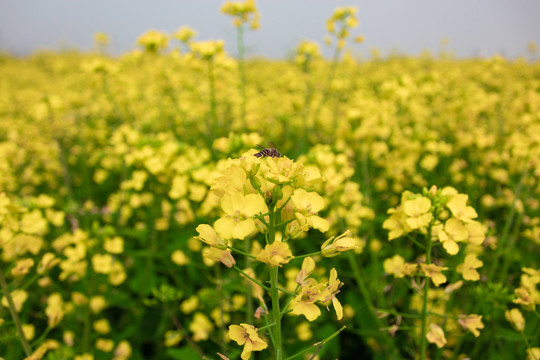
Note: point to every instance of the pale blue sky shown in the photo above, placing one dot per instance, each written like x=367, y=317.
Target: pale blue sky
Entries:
x=473, y=27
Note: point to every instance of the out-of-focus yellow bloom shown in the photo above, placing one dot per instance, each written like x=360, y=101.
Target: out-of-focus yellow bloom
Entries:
x=123, y=351
x=307, y=205
x=55, y=309
x=469, y=266
x=97, y=303
x=68, y=337
x=242, y=12
x=22, y=267
x=436, y=336
x=303, y=331
x=173, y=337
x=472, y=323
x=515, y=318
x=396, y=224
x=105, y=345
x=102, y=326
x=19, y=298
x=246, y=335
x=207, y=50
x=114, y=245
x=153, y=41
x=42, y=349
x=524, y=298
x=533, y=353
x=397, y=266
x=184, y=34
x=201, y=327
x=434, y=273
x=190, y=304
x=179, y=258
x=102, y=263
x=29, y=331
x=102, y=38
x=86, y=356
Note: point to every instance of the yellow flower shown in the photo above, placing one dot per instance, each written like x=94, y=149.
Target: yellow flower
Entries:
x=246, y=335
x=515, y=318
x=184, y=34
x=122, y=351
x=453, y=232
x=303, y=331
x=469, y=266
x=308, y=265
x=105, y=345
x=476, y=233
x=330, y=291
x=97, y=303
x=307, y=205
x=524, y=298
x=179, y=258
x=396, y=224
x=397, y=266
x=417, y=211
x=533, y=353
x=173, y=337
x=239, y=210
x=102, y=326
x=214, y=254
x=201, y=327
x=275, y=254
x=304, y=302
x=434, y=273
x=54, y=309
x=114, y=245
x=336, y=245
x=436, y=335
x=472, y=323
x=458, y=207
x=22, y=267
x=208, y=235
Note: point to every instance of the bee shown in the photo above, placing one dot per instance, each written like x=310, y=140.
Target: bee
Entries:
x=268, y=152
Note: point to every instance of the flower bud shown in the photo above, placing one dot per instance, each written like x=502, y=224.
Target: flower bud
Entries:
x=333, y=246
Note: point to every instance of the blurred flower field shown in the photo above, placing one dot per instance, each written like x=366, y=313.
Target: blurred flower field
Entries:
x=140, y=218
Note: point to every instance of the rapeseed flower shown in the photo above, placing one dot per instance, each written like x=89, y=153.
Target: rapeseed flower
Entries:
x=239, y=211
x=436, y=335
x=472, y=323
x=245, y=334
x=515, y=317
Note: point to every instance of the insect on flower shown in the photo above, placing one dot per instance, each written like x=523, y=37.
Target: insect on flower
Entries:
x=268, y=152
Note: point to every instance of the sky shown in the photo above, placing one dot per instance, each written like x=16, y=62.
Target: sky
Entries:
x=472, y=27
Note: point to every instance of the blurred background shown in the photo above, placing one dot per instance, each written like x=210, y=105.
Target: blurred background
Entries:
x=467, y=28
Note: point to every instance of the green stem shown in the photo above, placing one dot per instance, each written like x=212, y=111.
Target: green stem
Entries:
x=252, y=279
x=366, y=295
x=276, y=311
x=306, y=255
x=14, y=316
x=423, y=342
x=246, y=254
x=274, y=290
